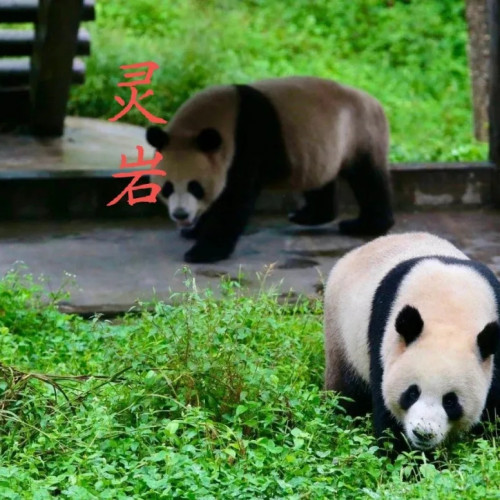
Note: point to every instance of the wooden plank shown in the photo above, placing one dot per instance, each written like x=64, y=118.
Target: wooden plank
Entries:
x=16, y=72
x=494, y=108
x=52, y=63
x=25, y=11
x=21, y=42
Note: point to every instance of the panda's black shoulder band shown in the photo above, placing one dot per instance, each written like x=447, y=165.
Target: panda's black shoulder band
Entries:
x=259, y=142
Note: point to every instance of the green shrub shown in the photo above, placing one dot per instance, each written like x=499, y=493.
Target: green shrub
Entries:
x=409, y=54
x=208, y=399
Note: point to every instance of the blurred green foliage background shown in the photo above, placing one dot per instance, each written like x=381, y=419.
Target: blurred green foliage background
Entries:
x=411, y=55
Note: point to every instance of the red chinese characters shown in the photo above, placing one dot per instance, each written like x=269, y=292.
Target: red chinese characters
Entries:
x=134, y=100
x=135, y=176
x=141, y=78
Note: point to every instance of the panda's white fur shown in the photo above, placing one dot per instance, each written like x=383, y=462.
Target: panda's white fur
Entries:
x=215, y=107
x=455, y=302
x=296, y=132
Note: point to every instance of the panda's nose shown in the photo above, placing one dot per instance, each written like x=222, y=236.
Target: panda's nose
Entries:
x=423, y=435
x=180, y=214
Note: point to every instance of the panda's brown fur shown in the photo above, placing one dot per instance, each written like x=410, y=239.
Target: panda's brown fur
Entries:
x=294, y=132
x=350, y=121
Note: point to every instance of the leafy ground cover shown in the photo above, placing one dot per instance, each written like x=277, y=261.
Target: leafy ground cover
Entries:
x=203, y=400
x=409, y=54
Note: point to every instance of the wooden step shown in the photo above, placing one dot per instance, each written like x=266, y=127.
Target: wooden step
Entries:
x=25, y=11
x=20, y=42
x=16, y=72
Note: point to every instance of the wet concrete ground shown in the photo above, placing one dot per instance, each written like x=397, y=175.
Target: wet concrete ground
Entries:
x=87, y=145
x=117, y=262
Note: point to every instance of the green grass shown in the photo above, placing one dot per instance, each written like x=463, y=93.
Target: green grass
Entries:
x=204, y=400
x=410, y=54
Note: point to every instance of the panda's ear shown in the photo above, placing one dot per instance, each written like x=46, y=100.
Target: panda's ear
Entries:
x=157, y=137
x=488, y=340
x=409, y=324
x=208, y=140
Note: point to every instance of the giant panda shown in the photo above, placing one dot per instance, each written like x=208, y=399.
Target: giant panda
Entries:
x=412, y=333
x=227, y=142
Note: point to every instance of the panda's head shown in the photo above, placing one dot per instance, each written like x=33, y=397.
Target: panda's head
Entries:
x=195, y=171
x=440, y=380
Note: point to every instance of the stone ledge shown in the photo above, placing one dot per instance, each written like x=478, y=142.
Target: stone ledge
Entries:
x=71, y=177
x=84, y=194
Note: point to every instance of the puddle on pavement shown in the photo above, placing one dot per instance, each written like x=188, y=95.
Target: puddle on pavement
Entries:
x=294, y=263
x=220, y=274
x=249, y=230
x=329, y=231
x=325, y=252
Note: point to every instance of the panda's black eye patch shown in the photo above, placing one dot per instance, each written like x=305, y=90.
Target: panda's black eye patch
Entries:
x=168, y=189
x=409, y=397
x=196, y=189
x=451, y=406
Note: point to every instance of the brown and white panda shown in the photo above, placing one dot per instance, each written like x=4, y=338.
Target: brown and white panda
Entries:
x=228, y=142
x=412, y=332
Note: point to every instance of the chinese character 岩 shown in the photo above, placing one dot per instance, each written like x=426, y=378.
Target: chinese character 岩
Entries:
x=135, y=175
x=142, y=78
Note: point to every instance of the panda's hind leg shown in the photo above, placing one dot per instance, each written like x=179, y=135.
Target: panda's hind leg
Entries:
x=320, y=206
x=369, y=181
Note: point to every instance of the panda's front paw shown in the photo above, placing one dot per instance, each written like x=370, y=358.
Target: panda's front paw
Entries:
x=206, y=252
x=307, y=216
x=190, y=233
